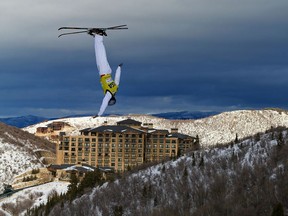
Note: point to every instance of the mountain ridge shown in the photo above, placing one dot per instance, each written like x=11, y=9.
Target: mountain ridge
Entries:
x=25, y=121
x=212, y=130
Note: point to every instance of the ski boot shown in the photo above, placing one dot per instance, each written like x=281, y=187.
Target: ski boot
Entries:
x=97, y=31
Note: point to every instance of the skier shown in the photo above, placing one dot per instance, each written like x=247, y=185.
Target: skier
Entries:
x=109, y=85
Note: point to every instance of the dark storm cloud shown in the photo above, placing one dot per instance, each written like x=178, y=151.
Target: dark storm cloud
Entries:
x=188, y=55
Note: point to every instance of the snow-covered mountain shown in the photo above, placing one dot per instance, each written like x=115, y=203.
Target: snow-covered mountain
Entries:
x=18, y=152
x=217, y=129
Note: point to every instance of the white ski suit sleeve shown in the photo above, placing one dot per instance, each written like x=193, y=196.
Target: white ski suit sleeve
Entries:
x=117, y=75
x=105, y=102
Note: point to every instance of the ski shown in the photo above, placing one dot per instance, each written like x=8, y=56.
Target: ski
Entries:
x=85, y=29
x=70, y=33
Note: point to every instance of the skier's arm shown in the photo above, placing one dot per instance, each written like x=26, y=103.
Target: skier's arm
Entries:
x=105, y=102
x=118, y=74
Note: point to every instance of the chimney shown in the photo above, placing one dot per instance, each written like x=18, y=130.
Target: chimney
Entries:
x=148, y=125
x=174, y=130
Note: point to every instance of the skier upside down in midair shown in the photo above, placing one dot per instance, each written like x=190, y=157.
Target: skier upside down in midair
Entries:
x=109, y=85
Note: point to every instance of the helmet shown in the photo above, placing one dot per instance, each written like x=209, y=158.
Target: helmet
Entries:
x=112, y=101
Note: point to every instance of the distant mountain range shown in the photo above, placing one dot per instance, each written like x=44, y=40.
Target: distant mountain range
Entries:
x=185, y=115
x=24, y=121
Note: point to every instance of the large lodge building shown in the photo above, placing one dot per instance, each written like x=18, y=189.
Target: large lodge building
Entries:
x=127, y=144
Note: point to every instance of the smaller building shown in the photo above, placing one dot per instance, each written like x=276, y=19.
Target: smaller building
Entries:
x=53, y=130
x=42, y=130
x=63, y=171
x=57, y=125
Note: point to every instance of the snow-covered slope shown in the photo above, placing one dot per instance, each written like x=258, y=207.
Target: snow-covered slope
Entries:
x=221, y=128
x=17, y=152
x=19, y=202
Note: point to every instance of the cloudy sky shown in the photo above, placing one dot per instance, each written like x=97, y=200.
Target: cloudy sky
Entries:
x=192, y=55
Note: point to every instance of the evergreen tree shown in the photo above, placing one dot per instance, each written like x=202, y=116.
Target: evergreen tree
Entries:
x=178, y=153
x=197, y=147
x=201, y=164
x=72, y=188
x=155, y=201
x=236, y=139
x=185, y=173
x=278, y=210
x=118, y=211
x=193, y=162
x=280, y=140
x=163, y=168
x=91, y=179
x=257, y=137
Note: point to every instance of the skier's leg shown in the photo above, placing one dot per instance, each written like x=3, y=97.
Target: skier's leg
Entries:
x=101, y=58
